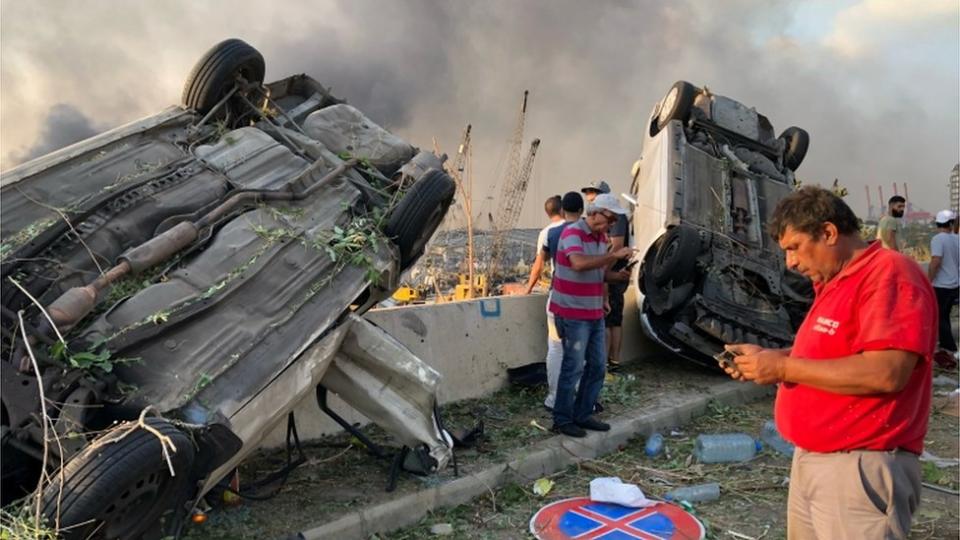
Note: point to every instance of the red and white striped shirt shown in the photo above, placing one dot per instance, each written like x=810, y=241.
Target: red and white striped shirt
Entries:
x=578, y=295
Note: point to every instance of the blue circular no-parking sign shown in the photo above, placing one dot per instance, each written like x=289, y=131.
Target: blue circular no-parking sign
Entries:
x=583, y=519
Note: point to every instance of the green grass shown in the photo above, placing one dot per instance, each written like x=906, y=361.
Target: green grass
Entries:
x=18, y=522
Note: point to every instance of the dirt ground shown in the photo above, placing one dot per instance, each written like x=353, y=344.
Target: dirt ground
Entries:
x=753, y=494
x=340, y=476
x=753, y=498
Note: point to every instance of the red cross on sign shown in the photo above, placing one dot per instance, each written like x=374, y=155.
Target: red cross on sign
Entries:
x=583, y=519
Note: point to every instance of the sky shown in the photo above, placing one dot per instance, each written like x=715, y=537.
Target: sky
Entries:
x=876, y=83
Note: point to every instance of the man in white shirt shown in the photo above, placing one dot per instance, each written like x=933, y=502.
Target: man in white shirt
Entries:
x=552, y=207
x=944, y=274
x=554, y=346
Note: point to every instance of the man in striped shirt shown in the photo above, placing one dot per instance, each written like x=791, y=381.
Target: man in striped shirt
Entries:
x=578, y=303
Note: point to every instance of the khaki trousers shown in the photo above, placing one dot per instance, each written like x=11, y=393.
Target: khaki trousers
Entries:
x=859, y=495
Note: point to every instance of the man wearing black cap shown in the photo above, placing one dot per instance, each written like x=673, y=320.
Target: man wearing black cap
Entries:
x=617, y=283
x=591, y=190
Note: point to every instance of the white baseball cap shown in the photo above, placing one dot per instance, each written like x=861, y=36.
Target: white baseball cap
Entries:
x=944, y=216
x=606, y=201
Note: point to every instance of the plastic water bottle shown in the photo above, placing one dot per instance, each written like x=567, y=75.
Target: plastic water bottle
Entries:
x=654, y=445
x=698, y=493
x=772, y=437
x=725, y=447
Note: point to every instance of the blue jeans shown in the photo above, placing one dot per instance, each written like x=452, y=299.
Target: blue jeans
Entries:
x=584, y=360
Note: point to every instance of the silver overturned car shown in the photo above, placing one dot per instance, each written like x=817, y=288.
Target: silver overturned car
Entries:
x=711, y=172
x=172, y=288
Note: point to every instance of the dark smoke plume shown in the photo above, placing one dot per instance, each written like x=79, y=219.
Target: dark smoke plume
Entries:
x=63, y=126
x=878, y=88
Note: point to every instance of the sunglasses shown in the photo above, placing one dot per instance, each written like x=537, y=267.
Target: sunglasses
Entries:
x=610, y=217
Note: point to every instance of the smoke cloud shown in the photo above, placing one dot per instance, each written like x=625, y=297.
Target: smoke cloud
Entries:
x=63, y=126
x=876, y=85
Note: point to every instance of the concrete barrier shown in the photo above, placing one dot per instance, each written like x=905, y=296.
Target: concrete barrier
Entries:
x=471, y=343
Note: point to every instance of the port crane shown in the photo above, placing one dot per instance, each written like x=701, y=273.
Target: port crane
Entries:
x=513, y=190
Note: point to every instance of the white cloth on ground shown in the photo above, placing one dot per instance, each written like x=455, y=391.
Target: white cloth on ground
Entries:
x=613, y=490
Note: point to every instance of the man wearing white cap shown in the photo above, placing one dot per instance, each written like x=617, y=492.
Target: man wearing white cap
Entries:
x=944, y=274
x=578, y=302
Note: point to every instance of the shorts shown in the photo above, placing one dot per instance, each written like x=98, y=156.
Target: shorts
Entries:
x=616, y=292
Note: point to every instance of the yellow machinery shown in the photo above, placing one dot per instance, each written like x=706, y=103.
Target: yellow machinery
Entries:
x=462, y=292
x=406, y=295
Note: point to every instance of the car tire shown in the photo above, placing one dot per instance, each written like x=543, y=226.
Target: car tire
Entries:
x=675, y=105
x=216, y=72
x=419, y=213
x=676, y=257
x=120, y=489
x=797, y=141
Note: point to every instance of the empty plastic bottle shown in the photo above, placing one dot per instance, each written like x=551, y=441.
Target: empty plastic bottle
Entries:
x=654, y=445
x=772, y=438
x=697, y=493
x=725, y=447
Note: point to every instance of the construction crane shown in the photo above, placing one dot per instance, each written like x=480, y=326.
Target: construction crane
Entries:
x=513, y=189
x=430, y=265
x=456, y=168
x=466, y=194
x=511, y=203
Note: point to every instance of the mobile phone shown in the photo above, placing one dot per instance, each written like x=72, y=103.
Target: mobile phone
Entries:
x=725, y=358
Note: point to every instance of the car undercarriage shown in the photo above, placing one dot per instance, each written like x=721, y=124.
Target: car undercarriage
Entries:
x=172, y=288
x=710, y=175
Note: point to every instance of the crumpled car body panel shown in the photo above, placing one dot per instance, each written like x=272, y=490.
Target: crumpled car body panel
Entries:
x=238, y=328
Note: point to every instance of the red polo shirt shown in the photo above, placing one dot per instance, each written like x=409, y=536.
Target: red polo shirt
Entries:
x=881, y=300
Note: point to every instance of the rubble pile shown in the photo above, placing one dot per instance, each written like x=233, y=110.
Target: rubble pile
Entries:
x=446, y=257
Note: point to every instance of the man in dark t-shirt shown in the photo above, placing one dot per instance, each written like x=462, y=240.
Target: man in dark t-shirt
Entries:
x=618, y=237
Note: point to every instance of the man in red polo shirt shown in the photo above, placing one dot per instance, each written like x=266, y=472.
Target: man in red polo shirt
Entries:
x=854, y=393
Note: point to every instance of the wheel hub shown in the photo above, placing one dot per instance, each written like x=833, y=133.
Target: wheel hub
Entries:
x=125, y=511
x=668, y=104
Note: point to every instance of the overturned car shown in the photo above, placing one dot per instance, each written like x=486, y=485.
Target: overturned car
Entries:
x=711, y=172
x=172, y=288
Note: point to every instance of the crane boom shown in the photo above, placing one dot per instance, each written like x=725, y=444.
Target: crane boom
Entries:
x=461, y=206
x=461, y=159
x=512, y=189
x=511, y=203
x=514, y=203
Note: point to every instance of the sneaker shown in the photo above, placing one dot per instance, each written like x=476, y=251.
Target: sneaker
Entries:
x=571, y=430
x=594, y=425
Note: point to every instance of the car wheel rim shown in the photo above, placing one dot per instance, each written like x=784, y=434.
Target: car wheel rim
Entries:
x=667, y=108
x=126, y=510
x=668, y=252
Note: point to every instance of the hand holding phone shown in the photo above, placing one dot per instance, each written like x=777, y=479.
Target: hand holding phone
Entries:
x=725, y=358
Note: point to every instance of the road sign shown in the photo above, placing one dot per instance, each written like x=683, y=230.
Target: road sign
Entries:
x=583, y=519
